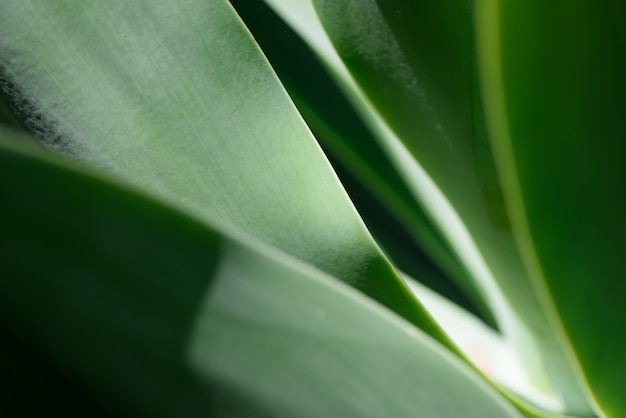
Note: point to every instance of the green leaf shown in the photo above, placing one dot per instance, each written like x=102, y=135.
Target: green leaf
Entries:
x=140, y=310
x=99, y=287
x=7, y=116
x=414, y=64
x=178, y=100
x=553, y=76
x=379, y=193
x=493, y=354
x=302, y=18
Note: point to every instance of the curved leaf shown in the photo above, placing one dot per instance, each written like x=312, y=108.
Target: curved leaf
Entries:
x=414, y=63
x=177, y=98
x=553, y=76
x=151, y=313
x=490, y=352
x=391, y=214
x=301, y=16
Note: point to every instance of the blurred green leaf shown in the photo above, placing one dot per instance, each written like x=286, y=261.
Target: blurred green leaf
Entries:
x=414, y=64
x=555, y=91
x=7, y=116
x=230, y=295
x=99, y=288
x=153, y=313
x=178, y=100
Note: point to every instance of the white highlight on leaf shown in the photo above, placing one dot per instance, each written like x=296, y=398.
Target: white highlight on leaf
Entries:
x=490, y=352
x=302, y=17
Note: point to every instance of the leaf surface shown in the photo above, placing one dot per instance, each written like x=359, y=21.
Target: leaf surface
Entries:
x=412, y=68
x=139, y=310
x=177, y=99
x=379, y=192
x=553, y=76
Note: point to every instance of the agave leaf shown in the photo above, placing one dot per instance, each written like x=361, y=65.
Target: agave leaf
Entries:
x=178, y=99
x=553, y=76
x=421, y=98
x=493, y=354
x=301, y=16
x=359, y=160
x=6, y=115
x=140, y=310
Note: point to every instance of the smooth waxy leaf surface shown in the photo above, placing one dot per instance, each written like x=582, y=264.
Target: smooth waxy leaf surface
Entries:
x=360, y=162
x=135, y=309
x=177, y=98
x=301, y=16
x=415, y=64
x=489, y=351
x=555, y=89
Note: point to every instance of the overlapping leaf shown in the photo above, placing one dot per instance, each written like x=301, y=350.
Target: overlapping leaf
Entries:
x=554, y=81
x=414, y=63
x=391, y=213
x=177, y=98
x=133, y=309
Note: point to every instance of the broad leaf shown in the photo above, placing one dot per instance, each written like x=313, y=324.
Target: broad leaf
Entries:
x=489, y=351
x=414, y=64
x=381, y=195
x=553, y=76
x=177, y=99
x=135, y=309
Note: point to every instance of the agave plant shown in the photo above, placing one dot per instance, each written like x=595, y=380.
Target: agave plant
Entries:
x=311, y=208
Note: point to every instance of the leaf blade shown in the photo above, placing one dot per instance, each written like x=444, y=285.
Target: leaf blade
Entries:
x=145, y=340
x=158, y=94
x=557, y=119
x=426, y=94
